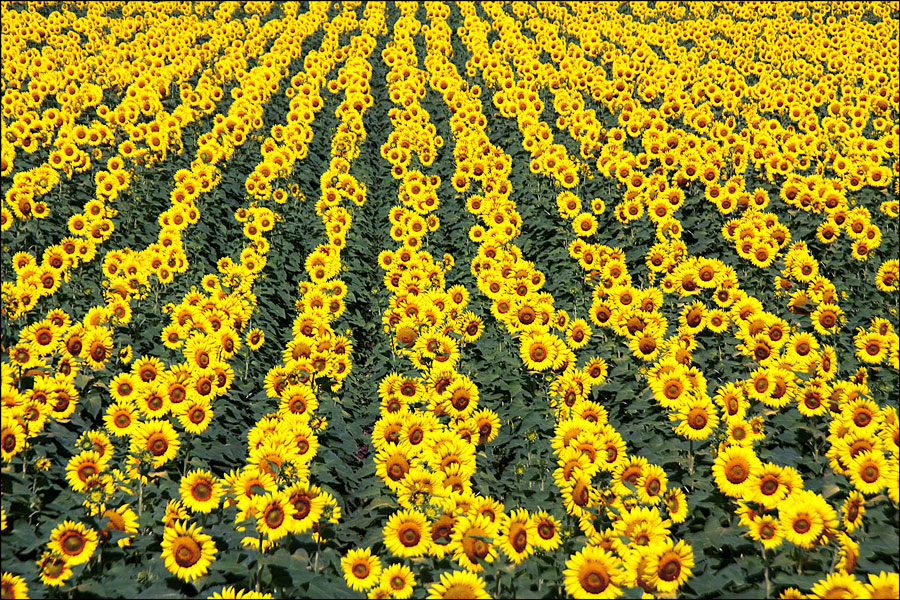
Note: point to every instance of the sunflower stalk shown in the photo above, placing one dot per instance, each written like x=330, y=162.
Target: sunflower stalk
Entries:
x=766, y=574
x=691, y=457
x=259, y=564
x=316, y=560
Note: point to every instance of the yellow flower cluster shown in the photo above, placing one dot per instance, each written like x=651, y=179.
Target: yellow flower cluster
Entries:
x=274, y=488
x=206, y=326
x=758, y=237
x=146, y=143
x=430, y=425
x=585, y=443
x=761, y=111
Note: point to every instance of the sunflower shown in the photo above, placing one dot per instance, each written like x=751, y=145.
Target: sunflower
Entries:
x=121, y=419
x=187, y=551
x=33, y=412
x=309, y=505
x=801, y=520
x=888, y=277
x=147, y=369
x=760, y=385
x=158, y=438
x=596, y=370
x=392, y=463
x=766, y=486
x=13, y=586
x=578, y=334
x=488, y=424
x=590, y=411
x=883, y=585
x=537, y=352
x=594, y=573
x=121, y=519
x=585, y=225
x=812, y=401
x=73, y=541
x=195, y=414
x=546, y=528
x=668, y=565
x=646, y=345
x=471, y=326
x=472, y=542
x=849, y=553
x=361, y=569
x=652, y=485
x=298, y=399
x=407, y=534
x=871, y=347
x=641, y=525
x=200, y=352
x=627, y=472
x=54, y=569
x=861, y=249
x=676, y=505
x=398, y=579
x=12, y=436
x=172, y=336
x=827, y=318
x=767, y=530
x=83, y=468
x=97, y=347
x=853, y=510
x=827, y=367
x=461, y=397
x=733, y=469
x=274, y=515
x=838, y=585
x=458, y=584
x=230, y=593
x=697, y=418
x=868, y=471
x=452, y=452
x=23, y=355
x=255, y=338
x=154, y=402
x=517, y=535
x=200, y=491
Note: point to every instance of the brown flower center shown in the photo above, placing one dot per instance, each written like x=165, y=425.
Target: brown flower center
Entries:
x=410, y=536
x=72, y=543
x=187, y=552
x=595, y=581
x=274, y=516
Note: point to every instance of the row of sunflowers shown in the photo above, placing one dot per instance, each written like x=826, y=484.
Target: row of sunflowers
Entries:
x=539, y=300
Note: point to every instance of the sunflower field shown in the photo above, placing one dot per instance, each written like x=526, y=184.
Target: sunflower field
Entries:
x=450, y=300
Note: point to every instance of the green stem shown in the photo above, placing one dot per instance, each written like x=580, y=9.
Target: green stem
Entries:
x=259, y=564
x=318, y=545
x=691, y=457
x=766, y=574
